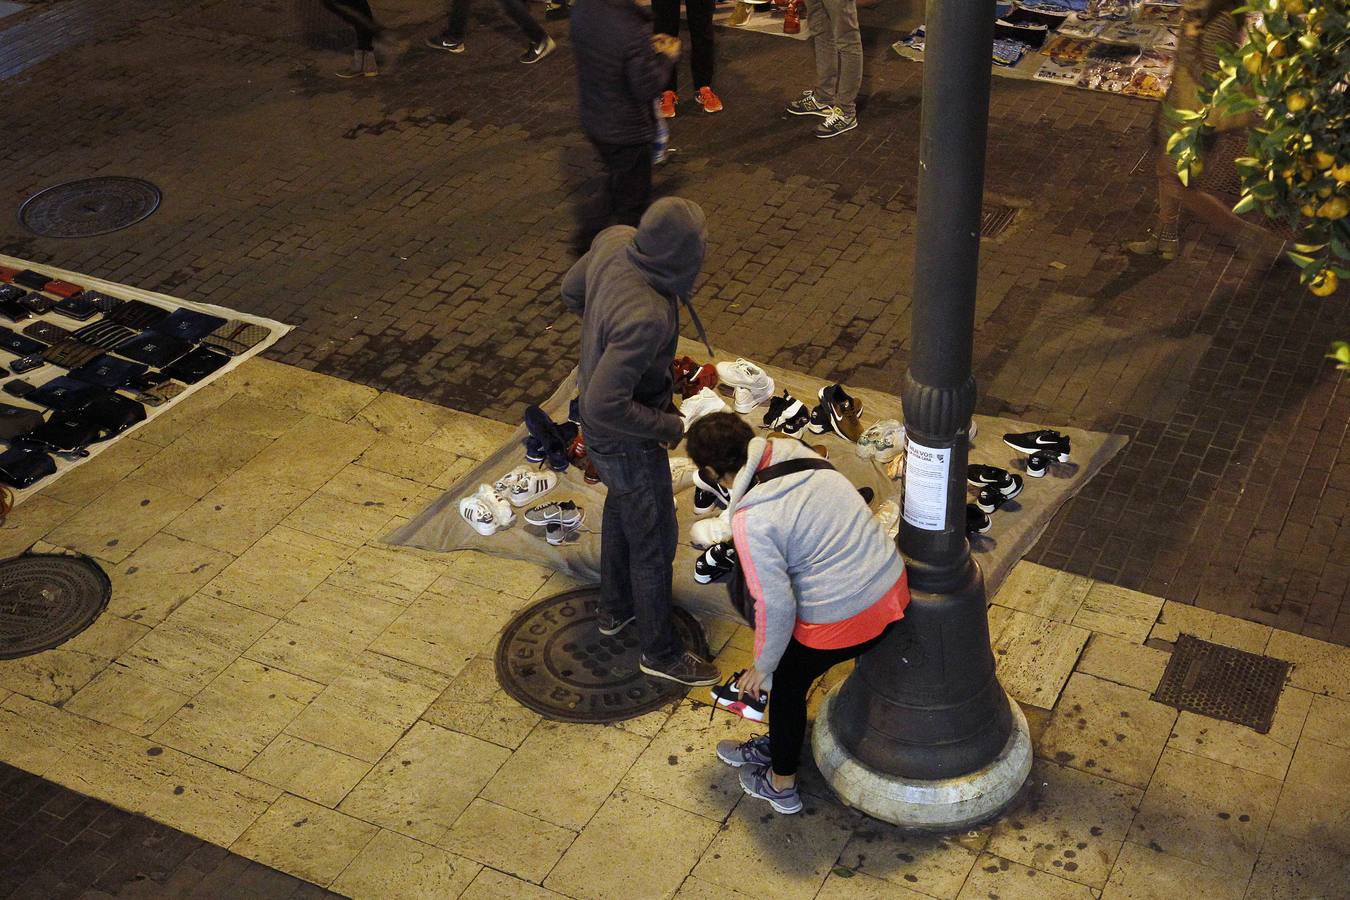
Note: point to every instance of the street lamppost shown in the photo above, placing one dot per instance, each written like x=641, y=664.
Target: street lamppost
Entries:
x=922, y=733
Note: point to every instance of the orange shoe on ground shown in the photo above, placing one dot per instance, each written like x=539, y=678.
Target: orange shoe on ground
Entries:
x=668, y=101
x=710, y=102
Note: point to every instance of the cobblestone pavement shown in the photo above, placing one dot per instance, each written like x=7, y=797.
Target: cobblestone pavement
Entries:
x=414, y=227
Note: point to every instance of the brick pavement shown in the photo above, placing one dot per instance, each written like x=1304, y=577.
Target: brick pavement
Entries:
x=414, y=227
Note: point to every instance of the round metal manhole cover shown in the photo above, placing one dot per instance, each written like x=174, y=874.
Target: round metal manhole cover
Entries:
x=89, y=207
x=46, y=599
x=553, y=660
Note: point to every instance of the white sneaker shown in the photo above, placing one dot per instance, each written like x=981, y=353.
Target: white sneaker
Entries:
x=486, y=511
x=530, y=485
x=706, y=532
x=883, y=441
x=753, y=386
x=704, y=403
x=496, y=499
x=888, y=517
x=504, y=484
x=682, y=471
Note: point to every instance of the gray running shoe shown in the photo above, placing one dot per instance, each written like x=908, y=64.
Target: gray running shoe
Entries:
x=754, y=752
x=562, y=512
x=755, y=782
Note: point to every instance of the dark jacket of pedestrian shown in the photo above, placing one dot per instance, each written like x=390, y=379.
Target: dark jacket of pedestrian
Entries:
x=627, y=289
x=619, y=75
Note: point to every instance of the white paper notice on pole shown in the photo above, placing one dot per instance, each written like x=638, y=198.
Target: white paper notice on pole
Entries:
x=926, y=471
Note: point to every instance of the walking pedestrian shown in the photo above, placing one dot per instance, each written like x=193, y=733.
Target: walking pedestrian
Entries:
x=627, y=289
x=621, y=70
x=837, y=43
x=702, y=51
x=452, y=39
x=357, y=14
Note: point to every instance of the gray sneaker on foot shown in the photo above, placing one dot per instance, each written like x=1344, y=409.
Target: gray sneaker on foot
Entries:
x=754, y=752
x=755, y=782
x=808, y=105
x=836, y=124
x=685, y=669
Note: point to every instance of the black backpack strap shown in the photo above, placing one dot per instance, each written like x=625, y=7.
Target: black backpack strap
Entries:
x=787, y=467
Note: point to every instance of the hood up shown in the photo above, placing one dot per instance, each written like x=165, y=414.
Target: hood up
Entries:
x=668, y=249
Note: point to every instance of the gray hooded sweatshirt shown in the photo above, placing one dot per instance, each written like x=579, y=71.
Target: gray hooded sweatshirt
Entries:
x=808, y=546
x=627, y=288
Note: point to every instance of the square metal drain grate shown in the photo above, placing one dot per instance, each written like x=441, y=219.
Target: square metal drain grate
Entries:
x=1223, y=683
x=995, y=219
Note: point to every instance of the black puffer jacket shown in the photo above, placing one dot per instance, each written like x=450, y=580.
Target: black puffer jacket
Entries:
x=619, y=75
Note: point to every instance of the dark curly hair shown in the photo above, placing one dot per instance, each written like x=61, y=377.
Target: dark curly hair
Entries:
x=718, y=442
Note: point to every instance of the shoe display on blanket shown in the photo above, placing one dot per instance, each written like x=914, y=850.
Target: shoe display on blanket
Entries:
x=727, y=696
x=1008, y=484
x=523, y=485
x=1045, y=441
x=990, y=499
x=715, y=562
x=753, y=386
x=714, y=530
x=708, y=495
x=558, y=512
x=549, y=437
x=787, y=414
x=837, y=412
x=883, y=441
x=704, y=403
x=977, y=522
x=486, y=510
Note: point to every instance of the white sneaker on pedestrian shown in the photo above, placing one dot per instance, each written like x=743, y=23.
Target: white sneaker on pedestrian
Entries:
x=704, y=403
x=753, y=385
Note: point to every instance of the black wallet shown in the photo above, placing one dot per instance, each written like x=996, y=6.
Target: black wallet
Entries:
x=23, y=466
x=196, y=365
x=30, y=279
x=18, y=344
x=76, y=307
x=138, y=314
x=110, y=372
x=104, y=303
x=63, y=433
x=154, y=349
x=188, y=324
x=14, y=310
x=17, y=420
x=105, y=334
x=18, y=388
x=11, y=292
x=37, y=304
x=28, y=363
x=110, y=413
x=63, y=393
x=47, y=332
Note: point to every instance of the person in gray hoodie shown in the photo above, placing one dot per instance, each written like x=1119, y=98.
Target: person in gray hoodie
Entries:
x=627, y=289
x=826, y=581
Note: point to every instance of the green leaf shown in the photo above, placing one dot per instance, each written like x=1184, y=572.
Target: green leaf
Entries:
x=1309, y=248
x=1300, y=260
x=1245, y=205
x=843, y=872
x=1340, y=351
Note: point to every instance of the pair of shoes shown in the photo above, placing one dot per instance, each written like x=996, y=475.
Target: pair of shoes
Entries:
x=837, y=412
x=792, y=17
x=711, y=531
x=610, y=624
x=728, y=697
x=446, y=43
x=687, y=669
x=883, y=441
x=486, y=510
x=705, y=402
x=363, y=65
x=547, y=440
x=752, y=385
x=808, y=105
x=787, y=414
x=836, y=123
x=708, y=494
x=523, y=484
x=716, y=562
x=1153, y=245
x=690, y=377
x=741, y=14
x=1043, y=448
x=577, y=456
x=538, y=51
x=668, y=102
x=752, y=758
x=560, y=519
x=997, y=486
x=710, y=102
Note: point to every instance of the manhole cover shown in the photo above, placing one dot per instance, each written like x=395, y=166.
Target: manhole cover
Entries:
x=995, y=219
x=552, y=659
x=1223, y=683
x=46, y=599
x=89, y=207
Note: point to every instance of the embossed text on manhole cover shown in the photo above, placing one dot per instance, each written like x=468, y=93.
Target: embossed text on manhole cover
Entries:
x=89, y=207
x=1223, y=683
x=553, y=660
x=47, y=599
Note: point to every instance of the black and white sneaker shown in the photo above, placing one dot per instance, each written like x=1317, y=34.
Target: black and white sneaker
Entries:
x=717, y=561
x=983, y=476
x=836, y=124
x=1039, y=463
x=560, y=512
x=977, y=522
x=708, y=495
x=609, y=624
x=747, y=707
x=1043, y=441
x=991, y=499
x=538, y=51
x=787, y=414
x=446, y=43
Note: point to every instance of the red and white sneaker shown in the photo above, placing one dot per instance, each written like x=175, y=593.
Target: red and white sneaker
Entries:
x=726, y=696
x=668, y=101
x=710, y=102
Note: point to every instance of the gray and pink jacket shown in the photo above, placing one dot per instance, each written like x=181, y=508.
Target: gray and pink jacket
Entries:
x=808, y=546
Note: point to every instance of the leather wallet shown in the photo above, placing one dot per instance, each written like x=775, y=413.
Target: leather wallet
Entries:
x=18, y=344
x=105, y=334
x=22, y=467
x=188, y=324
x=14, y=310
x=33, y=280
x=236, y=337
x=161, y=393
x=76, y=308
x=7, y=274
x=62, y=393
x=17, y=420
x=196, y=365
x=11, y=292
x=138, y=314
x=62, y=288
x=111, y=413
x=105, y=303
x=37, y=303
x=47, y=332
x=18, y=388
x=71, y=354
x=28, y=363
x=154, y=349
x=109, y=371
x=63, y=433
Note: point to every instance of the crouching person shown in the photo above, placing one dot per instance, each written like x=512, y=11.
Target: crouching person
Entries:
x=825, y=580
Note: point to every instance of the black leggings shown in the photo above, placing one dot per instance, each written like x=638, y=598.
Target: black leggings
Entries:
x=666, y=20
x=357, y=14
x=797, y=671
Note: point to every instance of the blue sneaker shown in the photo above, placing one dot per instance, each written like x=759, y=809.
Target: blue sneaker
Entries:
x=755, y=782
x=754, y=752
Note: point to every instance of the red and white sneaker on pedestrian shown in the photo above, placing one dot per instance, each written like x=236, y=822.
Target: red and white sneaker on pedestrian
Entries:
x=710, y=102
x=668, y=101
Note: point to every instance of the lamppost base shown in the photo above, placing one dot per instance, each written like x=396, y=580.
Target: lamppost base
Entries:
x=949, y=804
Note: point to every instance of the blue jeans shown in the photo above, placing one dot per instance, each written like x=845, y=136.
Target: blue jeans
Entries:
x=638, y=533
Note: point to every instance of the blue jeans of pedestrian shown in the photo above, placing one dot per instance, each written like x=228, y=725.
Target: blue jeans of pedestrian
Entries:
x=638, y=533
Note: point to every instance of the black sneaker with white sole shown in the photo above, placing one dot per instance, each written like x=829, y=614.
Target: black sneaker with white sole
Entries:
x=686, y=669
x=990, y=499
x=610, y=624
x=538, y=51
x=708, y=494
x=446, y=43
x=716, y=562
x=1043, y=441
x=787, y=414
x=983, y=476
x=1039, y=463
x=727, y=696
x=977, y=522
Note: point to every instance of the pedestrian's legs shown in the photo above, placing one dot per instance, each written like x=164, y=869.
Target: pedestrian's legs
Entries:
x=702, y=44
x=458, y=21
x=848, y=47
x=630, y=180
x=822, y=42
x=614, y=572
x=515, y=10
x=357, y=14
x=666, y=20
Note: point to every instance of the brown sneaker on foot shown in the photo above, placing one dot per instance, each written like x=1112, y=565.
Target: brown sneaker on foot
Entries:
x=1152, y=245
x=685, y=669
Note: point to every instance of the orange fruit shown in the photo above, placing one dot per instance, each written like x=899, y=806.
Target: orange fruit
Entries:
x=1324, y=284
